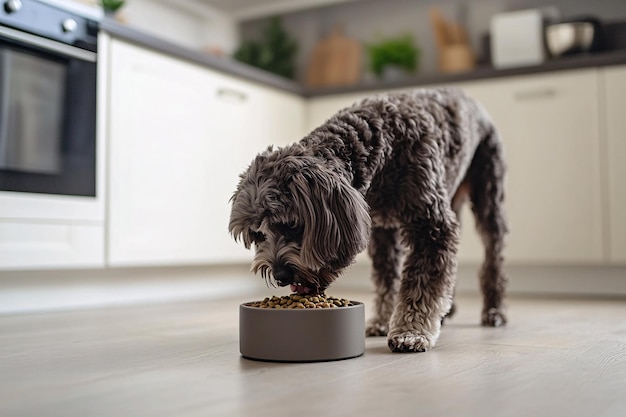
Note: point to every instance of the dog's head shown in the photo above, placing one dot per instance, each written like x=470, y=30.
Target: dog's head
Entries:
x=306, y=221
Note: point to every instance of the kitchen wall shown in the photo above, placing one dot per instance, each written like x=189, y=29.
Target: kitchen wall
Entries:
x=365, y=20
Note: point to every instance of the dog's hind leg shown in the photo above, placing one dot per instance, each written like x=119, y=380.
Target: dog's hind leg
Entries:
x=486, y=176
x=460, y=196
x=427, y=283
x=386, y=252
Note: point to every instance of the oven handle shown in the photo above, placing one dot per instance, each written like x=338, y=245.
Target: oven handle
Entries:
x=47, y=44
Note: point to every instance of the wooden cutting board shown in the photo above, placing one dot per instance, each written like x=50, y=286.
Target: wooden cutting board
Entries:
x=335, y=60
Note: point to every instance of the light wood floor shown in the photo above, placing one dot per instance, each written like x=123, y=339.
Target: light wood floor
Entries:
x=555, y=358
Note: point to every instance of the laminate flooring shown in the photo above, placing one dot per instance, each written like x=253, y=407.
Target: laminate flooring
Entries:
x=557, y=357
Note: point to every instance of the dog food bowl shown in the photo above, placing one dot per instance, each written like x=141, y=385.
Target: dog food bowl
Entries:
x=306, y=335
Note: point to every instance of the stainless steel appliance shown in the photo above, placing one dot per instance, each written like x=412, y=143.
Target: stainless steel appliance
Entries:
x=574, y=36
x=51, y=148
x=47, y=100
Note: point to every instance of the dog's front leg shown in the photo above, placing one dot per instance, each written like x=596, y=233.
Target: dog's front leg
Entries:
x=386, y=251
x=427, y=284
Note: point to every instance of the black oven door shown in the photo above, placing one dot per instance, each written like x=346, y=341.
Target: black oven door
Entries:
x=47, y=116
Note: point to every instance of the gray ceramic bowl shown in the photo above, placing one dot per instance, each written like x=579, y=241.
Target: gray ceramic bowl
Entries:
x=307, y=335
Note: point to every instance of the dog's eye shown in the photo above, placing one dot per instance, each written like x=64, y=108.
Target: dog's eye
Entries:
x=291, y=231
x=257, y=237
x=286, y=227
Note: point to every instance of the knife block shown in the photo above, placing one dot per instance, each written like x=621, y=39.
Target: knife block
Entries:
x=456, y=58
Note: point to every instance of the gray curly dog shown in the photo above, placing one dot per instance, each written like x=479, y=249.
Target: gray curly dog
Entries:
x=389, y=173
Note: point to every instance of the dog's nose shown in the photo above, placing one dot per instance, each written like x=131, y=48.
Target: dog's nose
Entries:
x=284, y=275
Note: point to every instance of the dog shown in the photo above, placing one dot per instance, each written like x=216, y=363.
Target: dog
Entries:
x=390, y=174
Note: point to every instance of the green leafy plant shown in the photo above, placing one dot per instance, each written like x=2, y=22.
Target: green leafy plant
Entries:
x=275, y=52
x=398, y=51
x=112, y=5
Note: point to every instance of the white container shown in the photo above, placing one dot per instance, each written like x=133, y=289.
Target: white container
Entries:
x=517, y=38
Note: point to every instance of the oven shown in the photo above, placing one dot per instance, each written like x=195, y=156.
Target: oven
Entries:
x=51, y=161
x=47, y=101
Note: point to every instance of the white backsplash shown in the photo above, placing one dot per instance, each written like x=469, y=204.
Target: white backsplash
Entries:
x=184, y=22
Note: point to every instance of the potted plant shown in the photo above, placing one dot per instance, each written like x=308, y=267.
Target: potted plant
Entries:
x=111, y=6
x=275, y=52
x=396, y=55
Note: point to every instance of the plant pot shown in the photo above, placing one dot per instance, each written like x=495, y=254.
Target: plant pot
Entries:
x=394, y=73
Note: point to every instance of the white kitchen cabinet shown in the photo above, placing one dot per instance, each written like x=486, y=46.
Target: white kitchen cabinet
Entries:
x=614, y=88
x=179, y=136
x=550, y=128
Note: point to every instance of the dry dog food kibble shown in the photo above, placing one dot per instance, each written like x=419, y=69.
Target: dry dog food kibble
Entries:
x=301, y=301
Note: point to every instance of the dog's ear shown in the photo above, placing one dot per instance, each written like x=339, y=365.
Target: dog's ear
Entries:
x=242, y=199
x=335, y=215
x=238, y=218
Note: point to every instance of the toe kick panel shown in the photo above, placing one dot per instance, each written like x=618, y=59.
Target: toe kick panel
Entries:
x=41, y=245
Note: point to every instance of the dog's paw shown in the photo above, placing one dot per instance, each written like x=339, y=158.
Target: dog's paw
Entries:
x=376, y=327
x=409, y=342
x=493, y=318
x=449, y=315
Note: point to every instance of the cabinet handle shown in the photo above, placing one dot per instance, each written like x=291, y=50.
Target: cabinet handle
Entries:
x=229, y=94
x=535, y=94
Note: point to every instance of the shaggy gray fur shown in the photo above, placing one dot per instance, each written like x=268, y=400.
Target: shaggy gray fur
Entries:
x=393, y=171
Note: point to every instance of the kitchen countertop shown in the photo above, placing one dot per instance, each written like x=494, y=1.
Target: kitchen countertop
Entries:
x=232, y=67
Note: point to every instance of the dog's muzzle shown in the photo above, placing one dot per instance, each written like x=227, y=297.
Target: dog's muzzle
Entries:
x=283, y=275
